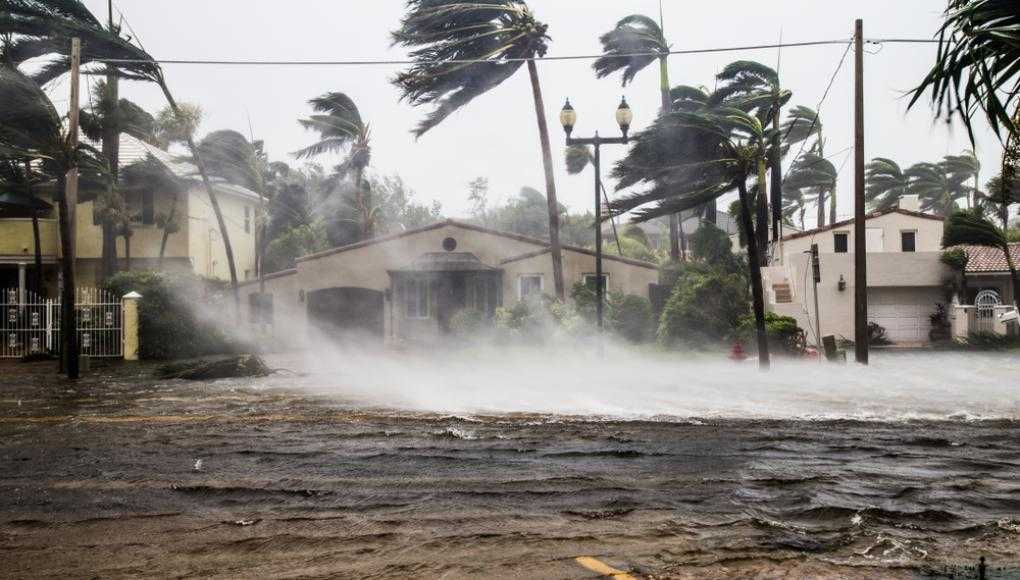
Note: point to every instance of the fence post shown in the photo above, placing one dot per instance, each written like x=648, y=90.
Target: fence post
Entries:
x=129, y=322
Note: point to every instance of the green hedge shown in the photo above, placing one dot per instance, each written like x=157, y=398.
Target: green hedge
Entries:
x=169, y=325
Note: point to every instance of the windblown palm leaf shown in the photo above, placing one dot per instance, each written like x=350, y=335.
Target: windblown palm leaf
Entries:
x=634, y=43
x=815, y=176
x=231, y=157
x=340, y=128
x=886, y=182
x=443, y=34
x=801, y=124
x=978, y=64
x=965, y=168
x=938, y=191
x=970, y=227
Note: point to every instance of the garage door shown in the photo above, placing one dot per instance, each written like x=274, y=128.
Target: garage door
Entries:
x=903, y=312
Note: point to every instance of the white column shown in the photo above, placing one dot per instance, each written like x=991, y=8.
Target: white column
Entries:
x=21, y=282
x=129, y=325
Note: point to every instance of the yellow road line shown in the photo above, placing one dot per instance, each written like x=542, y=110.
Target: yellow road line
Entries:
x=600, y=567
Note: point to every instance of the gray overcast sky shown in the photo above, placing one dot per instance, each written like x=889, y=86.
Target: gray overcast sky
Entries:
x=496, y=136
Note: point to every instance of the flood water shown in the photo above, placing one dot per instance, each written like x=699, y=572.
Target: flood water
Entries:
x=710, y=471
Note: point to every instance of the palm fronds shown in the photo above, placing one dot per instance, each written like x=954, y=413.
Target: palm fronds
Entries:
x=445, y=34
x=634, y=43
x=977, y=67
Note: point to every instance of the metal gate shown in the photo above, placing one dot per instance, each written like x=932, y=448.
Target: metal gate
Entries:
x=31, y=324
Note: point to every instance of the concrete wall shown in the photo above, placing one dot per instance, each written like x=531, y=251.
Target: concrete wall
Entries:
x=622, y=277
x=18, y=244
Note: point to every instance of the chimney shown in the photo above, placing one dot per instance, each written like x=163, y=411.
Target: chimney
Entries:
x=910, y=203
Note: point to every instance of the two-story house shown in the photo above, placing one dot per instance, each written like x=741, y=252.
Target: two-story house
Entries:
x=196, y=246
x=906, y=277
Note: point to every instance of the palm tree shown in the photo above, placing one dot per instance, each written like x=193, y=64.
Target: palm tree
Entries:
x=970, y=227
x=634, y=43
x=759, y=84
x=935, y=188
x=794, y=205
x=801, y=124
x=103, y=122
x=31, y=128
x=887, y=183
x=1003, y=197
x=446, y=36
x=341, y=129
x=816, y=175
x=44, y=28
x=690, y=157
x=977, y=64
x=962, y=168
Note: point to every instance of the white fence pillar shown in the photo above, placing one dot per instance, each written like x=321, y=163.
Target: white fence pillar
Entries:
x=130, y=323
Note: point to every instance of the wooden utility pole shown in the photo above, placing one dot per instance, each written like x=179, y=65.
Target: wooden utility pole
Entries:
x=860, y=239
x=68, y=318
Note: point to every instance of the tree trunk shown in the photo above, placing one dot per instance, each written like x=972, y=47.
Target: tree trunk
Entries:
x=550, y=183
x=166, y=232
x=832, y=205
x=1012, y=276
x=111, y=150
x=36, y=239
x=365, y=227
x=762, y=217
x=776, y=195
x=682, y=236
x=754, y=262
x=676, y=253
x=820, y=216
x=228, y=249
x=68, y=318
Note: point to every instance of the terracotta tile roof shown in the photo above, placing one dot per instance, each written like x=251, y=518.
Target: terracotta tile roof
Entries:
x=868, y=216
x=984, y=259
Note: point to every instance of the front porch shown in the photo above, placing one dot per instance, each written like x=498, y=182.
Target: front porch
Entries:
x=428, y=294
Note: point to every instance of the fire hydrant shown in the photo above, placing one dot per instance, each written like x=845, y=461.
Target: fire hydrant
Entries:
x=737, y=353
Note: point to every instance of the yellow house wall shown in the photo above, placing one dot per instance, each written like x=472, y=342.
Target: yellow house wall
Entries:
x=17, y=241
x=205, y=245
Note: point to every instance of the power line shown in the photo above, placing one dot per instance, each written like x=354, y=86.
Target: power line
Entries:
x=379, y=62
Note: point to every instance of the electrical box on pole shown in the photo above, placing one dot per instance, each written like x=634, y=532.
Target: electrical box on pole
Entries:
x=816, y=268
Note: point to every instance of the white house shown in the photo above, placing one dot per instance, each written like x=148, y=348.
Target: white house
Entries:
x=906, y=277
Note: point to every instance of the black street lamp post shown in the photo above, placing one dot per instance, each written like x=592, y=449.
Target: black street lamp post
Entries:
x=568, y=118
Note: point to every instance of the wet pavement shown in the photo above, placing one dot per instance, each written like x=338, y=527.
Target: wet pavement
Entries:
x=126, y=475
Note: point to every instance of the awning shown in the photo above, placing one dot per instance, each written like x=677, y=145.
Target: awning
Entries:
x=20, y=201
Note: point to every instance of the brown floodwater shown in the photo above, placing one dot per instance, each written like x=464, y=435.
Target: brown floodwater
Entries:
x=123, y=475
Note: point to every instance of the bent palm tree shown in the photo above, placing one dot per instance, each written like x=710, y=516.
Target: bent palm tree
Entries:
x=887, y=183
x=31, y=128
x=341, y=129
x=970, y=227
x=978, y=64
x=935, y=188
x=634, y=43
x=963, y=168
x=759, y=85
x=1003, y=196
x=43, y=28
x=689, y=158
x=578, y=158
x=502, y=35
x=801, y=124
x=816, y=175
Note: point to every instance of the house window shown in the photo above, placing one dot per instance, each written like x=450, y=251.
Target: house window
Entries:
x=247, y=220
x=589, y=282
x=908, y=241
x=482, y=295
x=416, y=298
x=841, y=242
x=530, y=286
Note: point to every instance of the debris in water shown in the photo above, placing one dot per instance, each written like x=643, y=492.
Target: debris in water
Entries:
x=247, y=522
x=244, y=365
x=198, y=465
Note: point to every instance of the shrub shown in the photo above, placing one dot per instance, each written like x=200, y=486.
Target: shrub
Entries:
x=467, y=321
x=705, y=307
x=631, y=318
x=169, y=326
x=784, y=336
x=628, y=315
x=876, y=335
x=955, y=258
x=941, y=329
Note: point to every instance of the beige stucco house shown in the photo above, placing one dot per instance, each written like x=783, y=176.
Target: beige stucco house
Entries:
x=197, y=245
x=906, y=277
x=408, y=285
